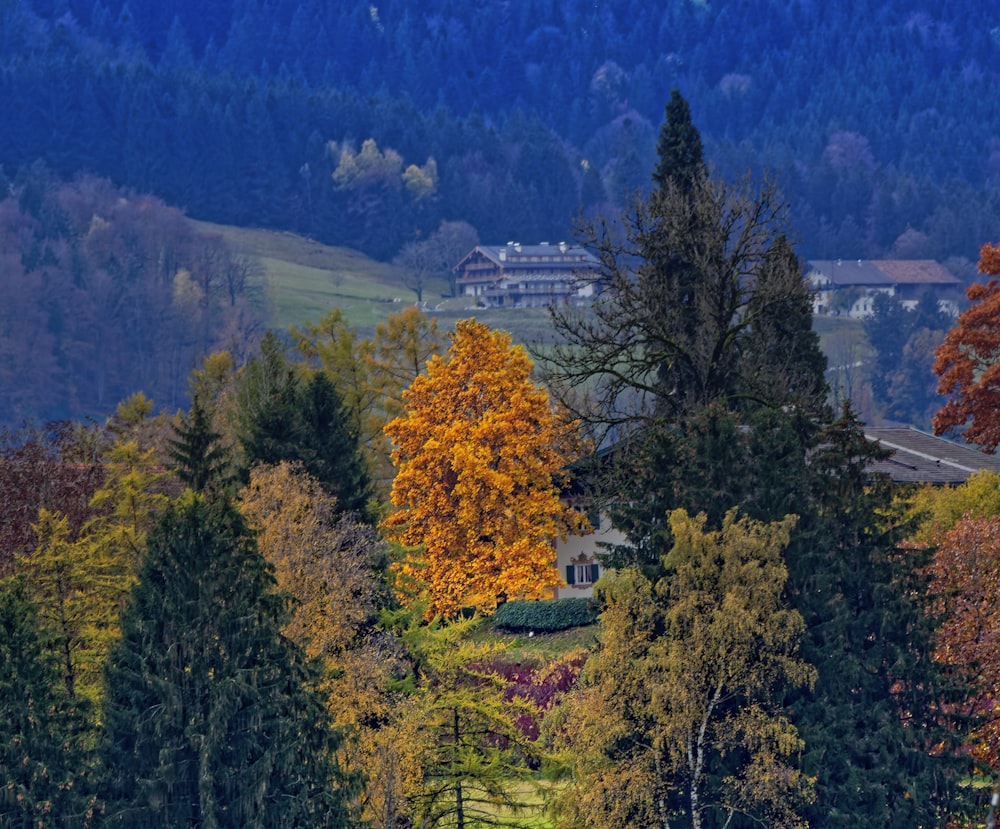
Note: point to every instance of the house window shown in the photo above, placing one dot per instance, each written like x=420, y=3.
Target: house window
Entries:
x=582, y=574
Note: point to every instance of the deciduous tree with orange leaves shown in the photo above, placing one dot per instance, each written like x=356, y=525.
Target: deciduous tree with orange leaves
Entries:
x=480, y=454
x=965, y=583
x=968, y=362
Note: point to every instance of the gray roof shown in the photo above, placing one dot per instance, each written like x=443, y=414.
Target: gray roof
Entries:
x=843, y=272
x=847, y=272
x=557, y=256
x=919, y=457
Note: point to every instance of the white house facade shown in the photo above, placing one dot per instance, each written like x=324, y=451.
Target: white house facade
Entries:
x=849, y=286
x=527, y=276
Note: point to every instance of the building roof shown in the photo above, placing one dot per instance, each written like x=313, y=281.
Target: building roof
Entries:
x=919, y=457
x=543, y=256
x=917, y=272
x=844, y=273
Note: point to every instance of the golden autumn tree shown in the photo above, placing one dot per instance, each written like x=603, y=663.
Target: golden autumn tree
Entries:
x=329, y=562
x=480, y=453
x=968, y=362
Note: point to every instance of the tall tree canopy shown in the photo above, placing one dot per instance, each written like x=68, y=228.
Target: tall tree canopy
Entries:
x=698, y=359
x=288, y=412
x=481, y=454
x=678, y=147
x=46, y=758
x=689, y=293
x=965, y=583
x=876, y=731
x=968, y=363
x=240, y=737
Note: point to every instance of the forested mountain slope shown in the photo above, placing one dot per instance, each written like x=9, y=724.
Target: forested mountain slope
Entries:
x=879, y=119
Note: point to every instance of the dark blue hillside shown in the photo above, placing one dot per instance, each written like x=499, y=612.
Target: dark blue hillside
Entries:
x=880, y=119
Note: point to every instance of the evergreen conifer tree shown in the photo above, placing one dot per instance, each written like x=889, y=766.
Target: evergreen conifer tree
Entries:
x=678, y=148
x=874, y=724
x=283, y=416
x=700, y=355
x=212, y=717
x=197, y=453
x=45, y=762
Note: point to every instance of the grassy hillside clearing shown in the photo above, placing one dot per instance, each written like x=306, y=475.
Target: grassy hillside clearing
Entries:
x=300, y=280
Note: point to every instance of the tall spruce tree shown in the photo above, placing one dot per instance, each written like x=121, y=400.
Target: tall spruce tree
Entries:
x=212, y=716
x=46, y=765
x=198, y=456
x=284, y=415
x=875, y=725
x=678, y=148
x=699, y=358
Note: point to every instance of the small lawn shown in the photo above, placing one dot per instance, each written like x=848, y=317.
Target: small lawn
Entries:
x=542, y=647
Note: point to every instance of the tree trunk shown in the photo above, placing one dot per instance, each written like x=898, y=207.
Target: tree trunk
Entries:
x=459, y=806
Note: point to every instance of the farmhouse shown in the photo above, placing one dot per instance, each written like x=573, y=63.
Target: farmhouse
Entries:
x=527, y=276
x=849, y=286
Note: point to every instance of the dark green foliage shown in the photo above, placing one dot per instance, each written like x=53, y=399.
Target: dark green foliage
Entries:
x=46, y=765
x=545, y=617
x=715, y=459
x=874, y=724
x=200, y=460
x=904, y=342
x=285, y=416
x=191, y=103
x=678, y=148
x=700, y=355
x=212, y=717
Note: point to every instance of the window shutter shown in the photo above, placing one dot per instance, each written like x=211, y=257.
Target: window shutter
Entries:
x=595, y=572
x=570, y=574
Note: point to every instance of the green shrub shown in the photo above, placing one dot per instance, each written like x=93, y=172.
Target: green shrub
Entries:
x=545, y=617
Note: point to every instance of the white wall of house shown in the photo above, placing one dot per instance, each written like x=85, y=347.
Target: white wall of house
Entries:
x=580, y=553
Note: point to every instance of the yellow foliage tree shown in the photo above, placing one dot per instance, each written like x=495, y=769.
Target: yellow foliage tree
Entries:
x=80, y=583
x=935, y=510
x=480, y=453
x=327, y=562
x=323, y=560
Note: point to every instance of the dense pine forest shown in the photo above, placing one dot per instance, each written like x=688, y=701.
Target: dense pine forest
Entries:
x=877, y=119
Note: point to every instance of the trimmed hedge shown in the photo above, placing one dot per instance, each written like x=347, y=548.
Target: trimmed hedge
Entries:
x=545, y=616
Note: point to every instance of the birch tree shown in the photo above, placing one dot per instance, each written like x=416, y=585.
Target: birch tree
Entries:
x=678, y=724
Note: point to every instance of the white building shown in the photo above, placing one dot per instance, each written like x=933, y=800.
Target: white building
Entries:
x=849, y=286
x=527, y=276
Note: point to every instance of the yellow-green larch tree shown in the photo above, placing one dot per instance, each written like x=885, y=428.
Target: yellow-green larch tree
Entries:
x=480, y=453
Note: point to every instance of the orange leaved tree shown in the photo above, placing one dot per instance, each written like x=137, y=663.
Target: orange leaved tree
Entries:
x=968, y=362
x=965, y=583
x=480, y=454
